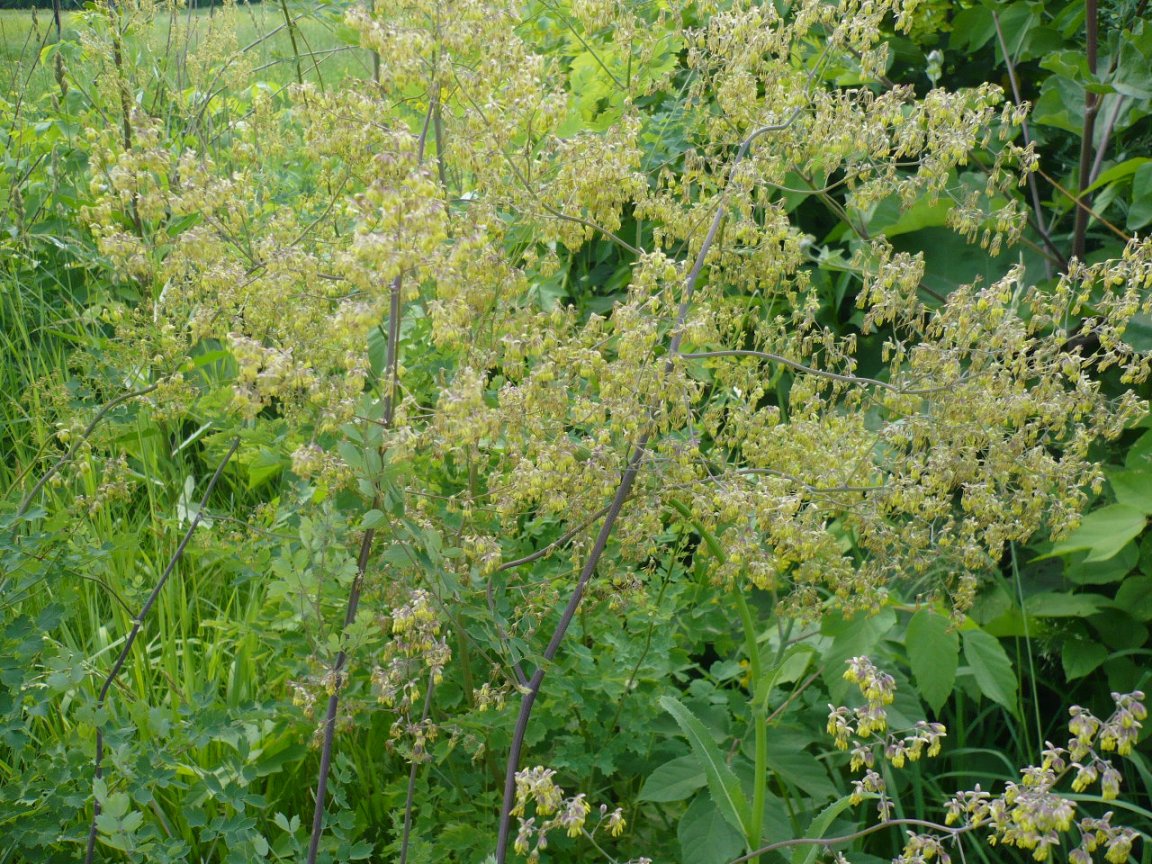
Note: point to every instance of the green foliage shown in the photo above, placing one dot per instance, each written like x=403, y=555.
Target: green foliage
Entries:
x=445, y=298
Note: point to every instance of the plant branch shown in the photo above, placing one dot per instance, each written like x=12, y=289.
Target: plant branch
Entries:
x=410, y=797
x=809, y=370
x=623, y=490
x=1091, y=108
x=855, y=835
x=1106, y=136
x=1033, y=186
x=71, y=453
x=137, y=624
x=391, y=366
x=1079, y=203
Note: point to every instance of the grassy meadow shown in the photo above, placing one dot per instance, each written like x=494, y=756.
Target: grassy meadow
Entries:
x=321, y=49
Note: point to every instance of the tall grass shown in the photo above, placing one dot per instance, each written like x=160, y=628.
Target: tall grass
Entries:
x=199, y=655
x=324, y=50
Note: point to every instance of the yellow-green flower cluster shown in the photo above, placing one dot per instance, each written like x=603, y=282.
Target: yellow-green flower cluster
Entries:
x=864, y=731
x=1032, y=815
x=537, y=788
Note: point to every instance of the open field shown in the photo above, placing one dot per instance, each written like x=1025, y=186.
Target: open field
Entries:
x=324, y=47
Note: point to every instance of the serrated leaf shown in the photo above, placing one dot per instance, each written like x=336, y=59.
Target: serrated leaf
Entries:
x=705, y=835
x=934, y=654
x=1103, y=532
x=722, y=782
x=675, y=780
x=991, y=667
x=372, y=519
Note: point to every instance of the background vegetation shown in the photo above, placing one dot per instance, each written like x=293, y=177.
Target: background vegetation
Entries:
x=194, y=512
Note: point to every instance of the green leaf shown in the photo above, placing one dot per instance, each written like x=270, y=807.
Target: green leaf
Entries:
x=972, y=29
x=1118, y=172
x=934, y=654
x=1135, y=597
x=857, y=636
x=1132, y=487
x=807, y=854
x=1140, y=211
x=1134, y=66
x=372, y=519
x=1060, y=604
x=991, y=667
x=1081, y=572
x=265, y=465
x=675, y=780
x=1103, y=532
x=801, y=769
x=722, y=782
x=891, y=218
x=1080, y=657
x=705, y=835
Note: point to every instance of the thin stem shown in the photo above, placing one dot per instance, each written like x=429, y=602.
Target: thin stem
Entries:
x=855, y=835
x=334, y=699
x=759, y=726
x=1106, y=136
x=391, y=367
x=628, y=477
x=810, y=370
x=1027, y=642
x=517, y=668
x=410, y=797
x=1082, y=205
x=291, y=25
x=137, y=624
x=88, y=430
x=1033, y=186
x=1091, y=108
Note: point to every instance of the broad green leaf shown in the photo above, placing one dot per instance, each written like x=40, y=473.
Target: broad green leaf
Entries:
x=265, y=465
x=1134, y=68
x=934, y=654
x=1140, y=211
x=891, y=218
x=722, y=782
x=801, y=769
x=1080, y=657
x=851, y=638
x=1061, y=604
x=705, y=835
x=675, y=780
x=1081, y=572
x=1132, y=487
x=1061, y=104
x=791, y=667
x=972, y=29
x=1118, y=172
x=991, y=667
x=372, y=519
x=1103, y=532
x=1135, y=597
